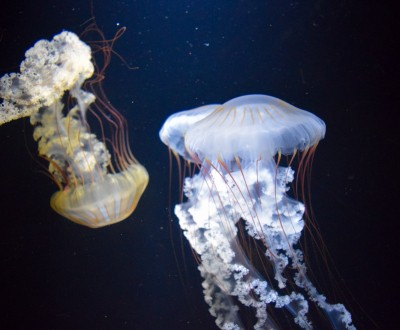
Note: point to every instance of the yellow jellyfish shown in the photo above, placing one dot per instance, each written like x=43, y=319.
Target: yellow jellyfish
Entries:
x=97, y=188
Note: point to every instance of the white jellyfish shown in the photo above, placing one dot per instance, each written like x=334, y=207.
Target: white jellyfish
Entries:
x=95, y=189
x=237, y=147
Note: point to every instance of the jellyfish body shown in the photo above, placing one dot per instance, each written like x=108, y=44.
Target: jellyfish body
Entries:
x=234, y=147
x=103, y=202
x=95, y=191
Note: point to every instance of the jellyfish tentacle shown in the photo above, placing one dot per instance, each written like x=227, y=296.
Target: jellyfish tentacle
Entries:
x=223, y=261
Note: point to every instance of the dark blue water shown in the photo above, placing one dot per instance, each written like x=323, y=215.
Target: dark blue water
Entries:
x=334, y=58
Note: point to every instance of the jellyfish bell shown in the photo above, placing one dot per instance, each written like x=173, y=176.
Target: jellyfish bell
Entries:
x=103, y=202
x=238, y=149
x=253, y=127
x=173, y=131
x=97, y=188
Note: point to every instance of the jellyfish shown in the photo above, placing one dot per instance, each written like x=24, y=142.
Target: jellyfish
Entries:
x=238, y=148
x=96, y=187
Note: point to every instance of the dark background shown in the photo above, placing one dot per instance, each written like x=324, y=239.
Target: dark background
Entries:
x=334, y=58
